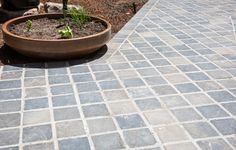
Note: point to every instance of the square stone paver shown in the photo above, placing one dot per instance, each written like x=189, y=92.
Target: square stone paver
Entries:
x=123, y=107
x=130, y=121
x=200, y=130
x=10, y=94
x=74, y=144
x=159, y=117
x=231, y=107
x=187, y=88
x=66, y=113
x=182, y=146
x=108, y=85
x=171, y=133
x=101, y=125
x=58, y=79
x=133, y=82
x=64, y=100
x=176, y=78
x=115, y=95
x=95, y=110
x=214, y=144
x=10, y=106
x=44, y=146
x=108, y=141
x=212, y=111
x=70, y=128
x=225, y=126
x=35, y=92
x=148, y=104
x=61, y=89
x=9, y=137
x=139, y=92
x=186, y=114
x=174, y=101
x=9, y=120
x=209, y=85
x=197, y=76
x=78, y=78
x=198, y=99
x=37, y=133
x=36, y=103
x=155, y=80
x=164, y=90
x=87, y=87
x=139, y=138
x=221, y=96
x=35, y=117
x=92, y=97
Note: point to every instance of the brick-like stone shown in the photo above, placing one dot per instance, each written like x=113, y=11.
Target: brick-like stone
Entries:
x=95, y=110
x=74, y=144
x=9, y=137
x=139, y=138
x=70, y=128
x=130, y=121
x=66, y=113
x=37, y=133
x=101, y=125
x=108, y=141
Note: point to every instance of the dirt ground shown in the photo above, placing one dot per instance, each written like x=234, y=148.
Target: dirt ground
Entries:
x=117, y=12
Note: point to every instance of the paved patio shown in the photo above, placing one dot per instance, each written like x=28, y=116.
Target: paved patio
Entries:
x=167, y=81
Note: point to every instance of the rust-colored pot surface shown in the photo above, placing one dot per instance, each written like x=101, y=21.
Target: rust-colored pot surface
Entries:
x=55, y=49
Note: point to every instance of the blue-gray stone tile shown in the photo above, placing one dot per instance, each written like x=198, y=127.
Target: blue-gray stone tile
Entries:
x=64, y=100
x=186, y=114
x=10, y=106
x=82, y=78
x=10, y=84
x=133, y=82
x=92, y=97
x=66, y=113
x=214, y=144
x=139, y=138
x=231, y=107
x=187, y=88
x=200, y=130
x=36, y=103
x=197, y=76
x=108, y=85
x=74, y=144
x=212, y=111
x=221, y=96
x=61, y=89
x=108, y=141
x=10, y=120
x=225, y=126
x=87, y=87
x=95, y=110
x=37, y=133
x=9, y=137
x=148, y=104
x=58, y=79
x=130, y=121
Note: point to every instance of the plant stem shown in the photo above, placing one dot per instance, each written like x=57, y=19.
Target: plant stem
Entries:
x=65, y=7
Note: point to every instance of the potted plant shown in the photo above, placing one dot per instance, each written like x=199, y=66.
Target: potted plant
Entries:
x=70, y=34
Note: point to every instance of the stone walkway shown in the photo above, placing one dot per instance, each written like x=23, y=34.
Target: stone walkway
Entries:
x=167, y=81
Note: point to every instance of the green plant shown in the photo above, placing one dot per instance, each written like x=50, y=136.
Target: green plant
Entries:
x=29, y=25
x=79, y=17
x=66, y=33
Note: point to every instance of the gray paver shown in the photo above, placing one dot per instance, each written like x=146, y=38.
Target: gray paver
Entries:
x=108, y=141
x=9, y=137
x=130, y=121
x=74, y=144
x=37, y=133
x=139, y=138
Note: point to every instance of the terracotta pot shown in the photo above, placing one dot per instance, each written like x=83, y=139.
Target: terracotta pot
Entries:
x=54, y=49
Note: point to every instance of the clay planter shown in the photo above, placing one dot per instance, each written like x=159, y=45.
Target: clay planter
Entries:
x=55, y=49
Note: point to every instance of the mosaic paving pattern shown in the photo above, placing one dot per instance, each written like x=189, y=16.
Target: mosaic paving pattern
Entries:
x=167, y=81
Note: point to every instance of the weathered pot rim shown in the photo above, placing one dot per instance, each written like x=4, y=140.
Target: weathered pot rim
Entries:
x=9, y=22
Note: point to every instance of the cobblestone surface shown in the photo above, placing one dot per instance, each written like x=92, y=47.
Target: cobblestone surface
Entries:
x=167, y=81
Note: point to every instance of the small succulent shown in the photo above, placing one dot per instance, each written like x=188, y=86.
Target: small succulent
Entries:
x=66, y=33
x=29, y=25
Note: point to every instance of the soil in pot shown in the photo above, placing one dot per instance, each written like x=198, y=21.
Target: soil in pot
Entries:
x=48, y=29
